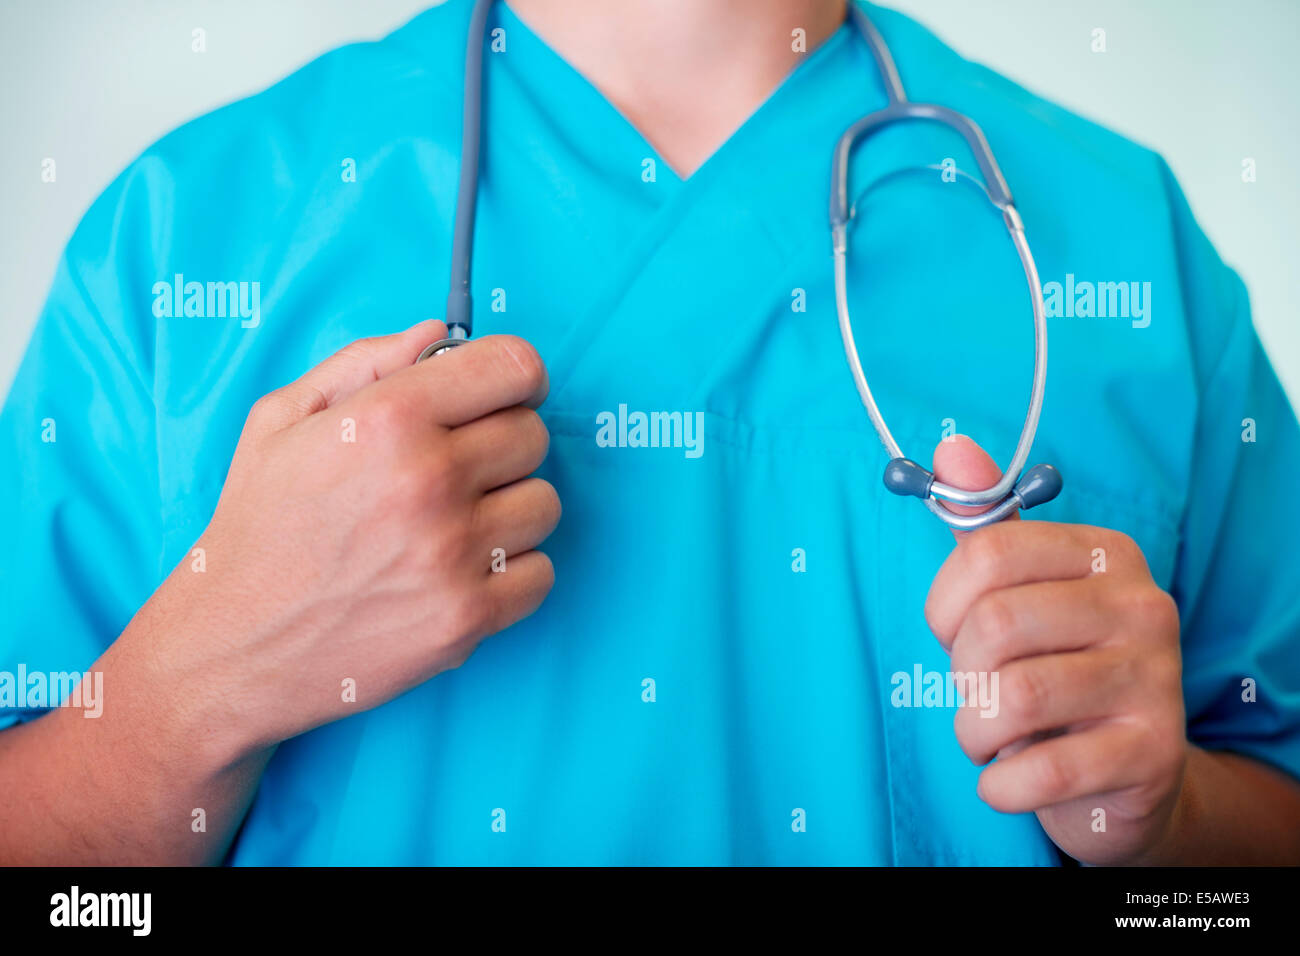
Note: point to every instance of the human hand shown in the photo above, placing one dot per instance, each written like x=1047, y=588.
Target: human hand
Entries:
x=1090, y=712
x=354, y=538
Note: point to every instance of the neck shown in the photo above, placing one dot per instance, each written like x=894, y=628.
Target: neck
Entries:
x=685, y=73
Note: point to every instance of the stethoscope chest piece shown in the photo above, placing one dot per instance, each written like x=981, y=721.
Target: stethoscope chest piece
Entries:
x=437, y=348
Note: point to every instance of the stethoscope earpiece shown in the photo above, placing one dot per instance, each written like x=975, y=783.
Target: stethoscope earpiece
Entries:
x=905, y=477
x=1016, y=489
x=1038, y=485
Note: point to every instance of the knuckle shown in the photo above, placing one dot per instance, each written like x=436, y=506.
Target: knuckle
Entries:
x=441, y=478
x=1126, y=670
x=992, y=618
x=993, y=792
x=965, y=651
x=988, y=549
x=964, y=728
x=1153, y=611
x=521, y=361
x=355, y=352
x=408, y=482
x=980, y=647
x=458, y=653
x=425, y=480
x=545, y=573
x=1122, y=546
x=550, y=500
x=960, y=651
x=536, y=435
x=266, y=407
x=938, y=626
x=996, y=649
x=1052, y=775
x=1027, y=695
x=386, y=414
x=469, y=617
x=1163, y=673
x=1163, y=610
x=540, y=581
x=1119, y=542
x=425, y=556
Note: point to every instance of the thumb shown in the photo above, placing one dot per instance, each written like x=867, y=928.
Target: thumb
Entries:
x=344, y=373
x=960, y=462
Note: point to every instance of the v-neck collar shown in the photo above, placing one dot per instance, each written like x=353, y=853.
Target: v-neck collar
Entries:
x=562, y=82
x=764, y=184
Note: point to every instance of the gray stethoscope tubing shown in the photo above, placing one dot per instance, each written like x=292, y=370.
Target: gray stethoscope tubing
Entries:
x=460, y=307
x=903, y=476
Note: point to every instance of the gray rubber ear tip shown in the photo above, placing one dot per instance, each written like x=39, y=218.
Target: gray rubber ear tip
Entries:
x=1039, y=484
x=905, y=477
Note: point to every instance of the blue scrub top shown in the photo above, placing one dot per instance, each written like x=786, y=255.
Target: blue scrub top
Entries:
x=770, y=588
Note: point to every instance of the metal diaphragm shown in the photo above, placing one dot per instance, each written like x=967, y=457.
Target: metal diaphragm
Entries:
x=437, y=348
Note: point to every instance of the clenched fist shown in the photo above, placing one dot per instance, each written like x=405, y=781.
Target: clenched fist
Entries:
x=355, y=535
x=1090, y=712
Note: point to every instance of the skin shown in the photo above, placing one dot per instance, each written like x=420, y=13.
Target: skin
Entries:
x=651, y=59
x=326, y=560
x=1090, y=696
x=371, y=561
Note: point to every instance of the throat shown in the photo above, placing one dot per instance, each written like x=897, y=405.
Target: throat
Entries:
x=686, y=73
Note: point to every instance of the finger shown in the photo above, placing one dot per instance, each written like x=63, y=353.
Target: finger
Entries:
x=501, y=447
x=959, y=462
x=475, y=379
x=1108, y=757
x=1030, y=619
x=344, y=373
x=1044, y=693
x=516, y=518
x=519, y=590
x=1010, y=553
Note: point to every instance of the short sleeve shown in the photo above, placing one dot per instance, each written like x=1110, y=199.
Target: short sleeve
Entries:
x=79, y=499
x=1237, y=582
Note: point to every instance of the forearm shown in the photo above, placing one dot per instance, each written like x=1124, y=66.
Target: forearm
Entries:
x=123, y=787
x=1232, y=810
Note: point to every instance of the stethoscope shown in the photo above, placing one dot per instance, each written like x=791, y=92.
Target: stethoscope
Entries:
x=903, y=476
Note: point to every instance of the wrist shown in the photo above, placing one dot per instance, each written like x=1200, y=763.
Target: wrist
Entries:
x=171, y=653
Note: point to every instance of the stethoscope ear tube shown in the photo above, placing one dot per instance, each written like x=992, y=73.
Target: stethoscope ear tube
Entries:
x=460, y=314
x=902, y=476
x=1013, y=490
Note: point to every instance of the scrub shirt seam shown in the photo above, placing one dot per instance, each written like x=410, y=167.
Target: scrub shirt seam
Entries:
x=877, y=605
x=1146, y=513
x=148, y=390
